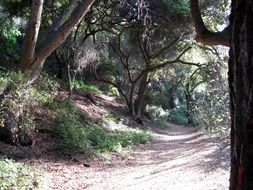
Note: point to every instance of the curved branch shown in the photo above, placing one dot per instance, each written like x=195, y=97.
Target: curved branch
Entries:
x=121, y=55
x=164, y=64
x=143, y=50
x=204, y=35
x=52, y=41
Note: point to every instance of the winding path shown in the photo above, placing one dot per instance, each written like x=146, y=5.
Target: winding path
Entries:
x=179, y=159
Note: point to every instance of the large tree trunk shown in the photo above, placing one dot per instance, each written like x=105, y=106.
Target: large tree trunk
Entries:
x=241, y=93
x=32, y=60
x=31, y=35
x=35, y=60
x=139, y=102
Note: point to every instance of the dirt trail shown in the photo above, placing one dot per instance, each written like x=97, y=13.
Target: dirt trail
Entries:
x=179, y=159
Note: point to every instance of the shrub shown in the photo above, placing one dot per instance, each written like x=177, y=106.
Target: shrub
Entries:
x=178, y=115
x=112, y=91
x=82, y=134
x=105, y=140
x=212, y=112
x=22, y=100
x=159, y=116
x=161, y=123
x=88, y=87
x=16, y=176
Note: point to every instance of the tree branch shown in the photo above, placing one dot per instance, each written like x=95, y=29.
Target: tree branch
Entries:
x=65, y=13
x=143, y=50
x=52, y=41
x=155, y=55
x=150, y=69
x=122, y=55
x=162, y=65
x=189, y=63
x=204, y=35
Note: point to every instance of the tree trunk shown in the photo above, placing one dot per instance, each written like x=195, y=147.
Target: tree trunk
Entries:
x=139, y=102
x=34, y=61
x=188, y=99
x=241, y=93
x=31, y=35
x=131, y=100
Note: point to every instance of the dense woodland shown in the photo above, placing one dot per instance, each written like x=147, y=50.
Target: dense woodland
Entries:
x=163, y=61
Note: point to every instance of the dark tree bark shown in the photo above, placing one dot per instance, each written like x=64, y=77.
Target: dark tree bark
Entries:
x=188, y=99
x=139, y=102
x=204, y=35
x=241, y=93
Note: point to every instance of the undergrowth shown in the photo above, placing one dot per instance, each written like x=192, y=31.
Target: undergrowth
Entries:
x=178, y=115
x=158, y=116
x=88, y=87
x=16, y=176
x=22, y=99
x=85, y=135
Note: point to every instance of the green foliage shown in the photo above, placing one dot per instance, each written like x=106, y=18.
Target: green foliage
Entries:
x=9, y=32
x=161, y=123
x=158, y=116
x=180, y=7
x=82, y=134
x=16, y=176
x=103, y=139
x=112, y=91
x=212, y=110
x=215, y=13
x=113, y=117
x=42, y=92
x=108, y=64
x=88, y=87
x=178, y=115
x=70, y=128
x=158, y=98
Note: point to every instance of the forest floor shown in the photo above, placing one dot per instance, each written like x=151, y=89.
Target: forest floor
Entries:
x=180, y=158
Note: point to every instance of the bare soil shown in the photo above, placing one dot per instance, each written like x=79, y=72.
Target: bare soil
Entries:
x=179, y=159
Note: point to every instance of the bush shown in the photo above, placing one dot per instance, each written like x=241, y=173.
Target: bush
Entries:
x=158, y=116
x=16, y=176
x=161, y=123
x=178, y=115
x=86, y=86
x=103, y=139
x=212, y=112
x=112, y=91
x=22, y=100
x=82, y=134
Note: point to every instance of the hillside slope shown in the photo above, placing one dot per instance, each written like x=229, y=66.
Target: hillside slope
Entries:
x=178, y=158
